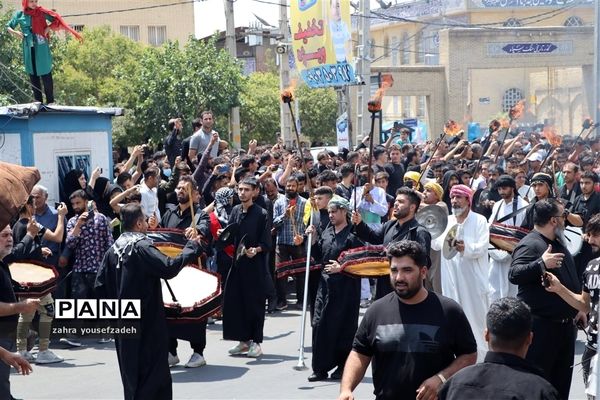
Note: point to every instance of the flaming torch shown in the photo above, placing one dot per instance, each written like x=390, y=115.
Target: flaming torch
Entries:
x=451, y=128
x=515, y=113
x=555, y=141
x=287, y=97
x=374, y=107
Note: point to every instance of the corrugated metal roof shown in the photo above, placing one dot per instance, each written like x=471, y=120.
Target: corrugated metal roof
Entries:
x=28, y=110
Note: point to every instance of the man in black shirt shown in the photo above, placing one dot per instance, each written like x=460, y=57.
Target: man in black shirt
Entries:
x=553, y=346
x=395, y=169
x=417, y=339
x=587, y=301
x=586, y=205
x=504, y=374
x=403, y=226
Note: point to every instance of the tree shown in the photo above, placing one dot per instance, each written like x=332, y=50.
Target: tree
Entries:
x=318, y=112
x=259, y=110
x=99, y=71
x=14, y=82
x=175, y=81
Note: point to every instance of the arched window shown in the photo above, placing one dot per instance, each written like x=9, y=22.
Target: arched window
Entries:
x=510, y=98
x=386, y=46
x=512, y=22
x=405, y=55
x=573, y=21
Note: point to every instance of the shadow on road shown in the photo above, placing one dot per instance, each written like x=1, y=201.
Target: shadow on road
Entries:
x=281, y=335
x=270, y=359
x=208, y=373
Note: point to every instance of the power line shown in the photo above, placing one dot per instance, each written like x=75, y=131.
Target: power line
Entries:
x=132, y=9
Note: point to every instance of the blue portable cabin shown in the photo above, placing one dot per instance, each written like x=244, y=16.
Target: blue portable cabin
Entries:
x=56, y=139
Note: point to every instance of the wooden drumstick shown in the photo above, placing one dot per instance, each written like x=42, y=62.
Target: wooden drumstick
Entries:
x=193, y=223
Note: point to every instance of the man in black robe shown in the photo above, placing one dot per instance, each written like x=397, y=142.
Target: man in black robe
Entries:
x=180, y=217
x=338, y=298
x=245, y=290
x=403, y=227
x=132, y=269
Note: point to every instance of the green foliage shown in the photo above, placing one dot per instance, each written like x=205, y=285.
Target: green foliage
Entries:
x=97, y=72
x=14, y=82
x=259, y=111
x=318, y=112
x=176, y=81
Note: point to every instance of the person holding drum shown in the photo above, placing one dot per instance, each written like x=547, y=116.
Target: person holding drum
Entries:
x=335, y=318
x=132, y=269
x=180, y=217
x=499, y=285
x=403, y=226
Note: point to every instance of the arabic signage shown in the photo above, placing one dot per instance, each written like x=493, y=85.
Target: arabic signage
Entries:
x=530, y=48
x=322, y=42
x=526, y=3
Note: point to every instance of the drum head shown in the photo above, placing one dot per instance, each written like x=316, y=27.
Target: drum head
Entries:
x=574, y=240
x=35, y=279
x=192, y=287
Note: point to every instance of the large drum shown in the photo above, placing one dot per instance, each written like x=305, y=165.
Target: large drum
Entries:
x=574, y=239
x=506, y=237
x=294, y=267
x=198, y=293
x=365, y=262
x=171, y=242
x=35, y=278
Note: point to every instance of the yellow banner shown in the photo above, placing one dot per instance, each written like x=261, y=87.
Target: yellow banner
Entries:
x=322, y=41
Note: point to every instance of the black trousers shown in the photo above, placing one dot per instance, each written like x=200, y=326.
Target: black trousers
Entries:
x=36, y=83
x=197, y=345
x=284, y=253
x=553, y=350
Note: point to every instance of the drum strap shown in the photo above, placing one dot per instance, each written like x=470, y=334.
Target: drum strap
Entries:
x=513, y=213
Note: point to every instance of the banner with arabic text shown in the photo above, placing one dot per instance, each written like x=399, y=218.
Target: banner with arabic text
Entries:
x=322, y=42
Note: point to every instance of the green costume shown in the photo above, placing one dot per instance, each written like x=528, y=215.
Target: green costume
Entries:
x=43, y=58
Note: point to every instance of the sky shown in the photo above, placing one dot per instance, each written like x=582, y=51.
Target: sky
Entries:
x=210, y=14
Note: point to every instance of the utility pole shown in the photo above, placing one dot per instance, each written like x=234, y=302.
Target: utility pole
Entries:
x=596, y=104
x=363, y=69
x=285, y=117
x=230, y=44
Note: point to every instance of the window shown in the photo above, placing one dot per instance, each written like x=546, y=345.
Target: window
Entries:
x=394, y=51
x=157, y=35
x=405, y=49
x=131, y=31
x=421, y=106
x=78, y=28
x=573, y=21
x=420, y=54
x=510, y=98
x=68, y=162
x=406, y=113
x=512, y=22
x=395, y=105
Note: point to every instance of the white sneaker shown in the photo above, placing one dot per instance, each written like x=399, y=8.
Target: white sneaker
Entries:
x=70, y=341
x=173, y=360
x=241, y=348
x=48, y=357
x=196, y=360
x=27, y=355
x=255, y=351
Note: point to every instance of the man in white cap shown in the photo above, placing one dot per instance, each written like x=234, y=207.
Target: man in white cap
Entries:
x=465, y=273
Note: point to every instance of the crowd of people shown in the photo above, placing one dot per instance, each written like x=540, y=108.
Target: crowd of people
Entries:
x=449, y=301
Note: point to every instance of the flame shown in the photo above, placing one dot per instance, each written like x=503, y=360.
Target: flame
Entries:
x=374, y=104
x=494, y=125
x=516, y=111
x=287, y=94
x=451, y=128
x=552, y=136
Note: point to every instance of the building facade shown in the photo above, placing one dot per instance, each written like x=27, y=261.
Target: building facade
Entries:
x=151, y=22
x=470, y=60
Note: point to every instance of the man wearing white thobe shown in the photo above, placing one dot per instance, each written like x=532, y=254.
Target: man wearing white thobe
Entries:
x=465, y=275
x=500, y=260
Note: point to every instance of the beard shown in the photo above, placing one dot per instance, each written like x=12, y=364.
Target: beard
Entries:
x=560, y=235
x=290, y=194
x=399, y=214
x=458, y=211
x=406, y=291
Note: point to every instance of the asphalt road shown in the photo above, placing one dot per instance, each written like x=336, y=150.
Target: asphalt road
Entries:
x=92, y=372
